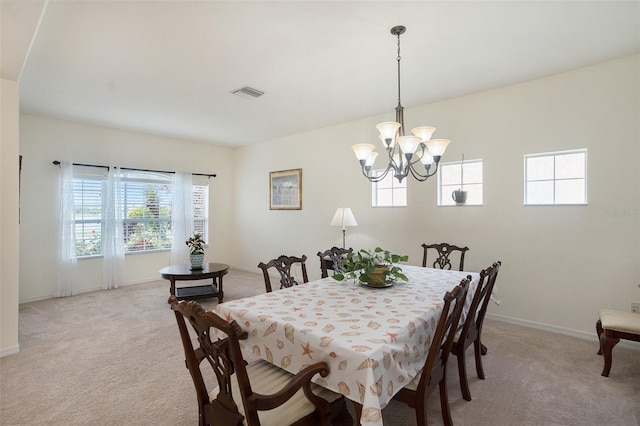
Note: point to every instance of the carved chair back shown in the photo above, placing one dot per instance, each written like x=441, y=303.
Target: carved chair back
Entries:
x=223, y=356
x=434, y=372
x=470, y=331
x=232, y=373
x=330, y=259
x=480, y=302
x=444, y=251
x=283, y=264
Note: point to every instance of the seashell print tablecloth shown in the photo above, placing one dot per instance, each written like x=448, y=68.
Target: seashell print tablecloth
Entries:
x=374, y=340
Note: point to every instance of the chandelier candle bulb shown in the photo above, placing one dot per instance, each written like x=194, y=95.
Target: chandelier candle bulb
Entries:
x=415, y=154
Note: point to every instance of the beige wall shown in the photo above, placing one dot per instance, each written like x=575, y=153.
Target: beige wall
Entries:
x=560, y=264
x=43, y=140
x=9, y=235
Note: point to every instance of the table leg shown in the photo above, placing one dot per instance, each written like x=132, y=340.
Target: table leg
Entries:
x=220, y=293
x=172, y=287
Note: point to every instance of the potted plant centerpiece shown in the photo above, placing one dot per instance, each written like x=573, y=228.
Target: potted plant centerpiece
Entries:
x=377, y=267
x=196, y=250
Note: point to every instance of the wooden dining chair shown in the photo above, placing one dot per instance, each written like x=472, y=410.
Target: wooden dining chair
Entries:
x=471, y=330
x=613, y=325
x=330, y=259
x=283, y=264
x=252, y=394
x=444, y=251
x=415, y=393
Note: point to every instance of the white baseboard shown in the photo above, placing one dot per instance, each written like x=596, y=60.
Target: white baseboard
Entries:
x=240, y=268
x=9, y=351
x=593, y=337
x=87, y=290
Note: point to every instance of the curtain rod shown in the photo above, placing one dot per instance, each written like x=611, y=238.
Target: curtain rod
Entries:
x=57, y=163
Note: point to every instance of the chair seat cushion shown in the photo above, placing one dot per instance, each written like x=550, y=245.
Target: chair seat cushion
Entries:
x=413, y=384
x=265, y=379
x=626, y=322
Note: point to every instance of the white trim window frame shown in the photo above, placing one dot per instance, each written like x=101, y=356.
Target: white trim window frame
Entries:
x=201, y=207
x=147, y=219
x=556, y=178
x=450, y=179
x=388, y=192
x=87, y=193
x=147, y=211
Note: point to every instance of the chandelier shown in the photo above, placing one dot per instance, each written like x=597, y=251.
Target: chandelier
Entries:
x=407, y=154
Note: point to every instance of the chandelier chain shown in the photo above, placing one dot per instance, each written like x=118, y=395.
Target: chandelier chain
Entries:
x=399, y=58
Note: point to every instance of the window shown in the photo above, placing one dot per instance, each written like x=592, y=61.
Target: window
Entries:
x=388, y=192
x=146, y=207
x=201, y=209
x=87, y=194
x=556, y=178
x=147, y=211
x=466, y=175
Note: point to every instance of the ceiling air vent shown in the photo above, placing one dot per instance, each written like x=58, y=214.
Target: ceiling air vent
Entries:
x=248, y=92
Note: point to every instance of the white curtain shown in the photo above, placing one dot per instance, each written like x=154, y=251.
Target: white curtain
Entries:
x=67, y=282
x=181, y=217
x=113, y=232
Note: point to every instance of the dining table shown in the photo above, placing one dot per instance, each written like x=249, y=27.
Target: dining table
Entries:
x=375, y=340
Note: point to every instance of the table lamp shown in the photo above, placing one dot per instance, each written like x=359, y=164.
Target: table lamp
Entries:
x=343, y=217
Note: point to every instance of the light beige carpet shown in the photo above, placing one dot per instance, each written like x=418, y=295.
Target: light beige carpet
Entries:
x=115, y=358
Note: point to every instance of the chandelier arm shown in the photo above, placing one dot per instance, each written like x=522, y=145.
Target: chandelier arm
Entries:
x=375, y=179
x=420, y=177
x=392, y=161
x=418, y=156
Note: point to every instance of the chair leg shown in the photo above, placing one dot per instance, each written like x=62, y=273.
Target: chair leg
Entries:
x=607, y=344
x=421, y=413
x=357, y=408
x=477, y=349
x=340, y=414
x=599, y=330
x=462, y=373
x=444, y=403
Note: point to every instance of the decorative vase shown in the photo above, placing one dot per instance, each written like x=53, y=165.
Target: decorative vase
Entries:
x=379, y=276
x=459, y=196
x=196, y=260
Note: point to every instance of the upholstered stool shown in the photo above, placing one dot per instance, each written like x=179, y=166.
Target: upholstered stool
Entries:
x=611, y=327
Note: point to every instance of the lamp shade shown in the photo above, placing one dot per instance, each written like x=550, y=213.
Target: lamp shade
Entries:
x=371, y=159
x=426, y=159
x=437, y=146
x=423, y=132
x=362, y=150
x=388, y=129
x=343, y=217
x=408, y=144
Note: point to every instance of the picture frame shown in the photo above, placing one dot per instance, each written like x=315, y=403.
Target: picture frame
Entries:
x=285, y=190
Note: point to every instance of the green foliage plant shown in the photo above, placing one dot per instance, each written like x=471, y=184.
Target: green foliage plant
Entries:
x=196, y=244
x=367, y=265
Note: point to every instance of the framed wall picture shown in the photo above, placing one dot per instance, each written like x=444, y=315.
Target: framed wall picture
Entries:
x=285, y=190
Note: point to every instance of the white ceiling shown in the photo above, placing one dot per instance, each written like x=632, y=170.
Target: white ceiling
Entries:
x=168, y=67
